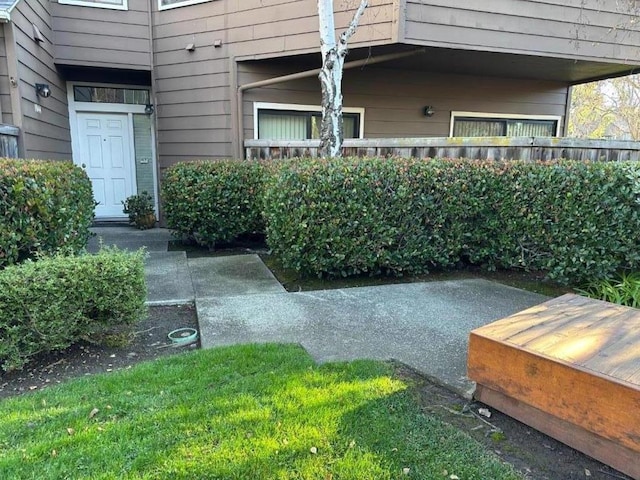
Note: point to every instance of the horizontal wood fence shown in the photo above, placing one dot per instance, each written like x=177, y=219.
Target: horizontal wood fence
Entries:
x=485, y=148
x=9, y=141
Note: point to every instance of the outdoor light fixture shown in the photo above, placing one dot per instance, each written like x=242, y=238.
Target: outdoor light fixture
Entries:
x=428, y=111
x=37, y=36
x=43, y=90
x=149, y=109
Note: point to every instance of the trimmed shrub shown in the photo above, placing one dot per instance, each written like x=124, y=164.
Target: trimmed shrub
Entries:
x=45, y=206
x=213, y=201
x=343, y=217
x=52, y=303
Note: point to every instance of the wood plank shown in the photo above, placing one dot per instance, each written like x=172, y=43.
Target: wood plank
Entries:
x=558, y=338
x=583, y=397
x=621, y=357
x=585, y=347
x=602, y=449
x=559, y=324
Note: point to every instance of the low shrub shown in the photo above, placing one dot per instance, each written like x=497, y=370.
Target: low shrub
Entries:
x=51, y=303
x=349, y=216
x=141, y=210
x=45, y=206
x=213, y=201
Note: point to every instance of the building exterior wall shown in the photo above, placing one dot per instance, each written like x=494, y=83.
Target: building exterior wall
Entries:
x=194, y=89
x=199, y=55
x=44, y=122
x=101, y=37
x=394, y=100
x=577, y=29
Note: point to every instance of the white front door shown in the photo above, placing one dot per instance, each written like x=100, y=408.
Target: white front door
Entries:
x=105, y=153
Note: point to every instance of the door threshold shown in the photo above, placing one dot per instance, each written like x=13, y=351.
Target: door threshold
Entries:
x=110, y=222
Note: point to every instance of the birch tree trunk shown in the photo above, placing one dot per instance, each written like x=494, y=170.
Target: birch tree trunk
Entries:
x=333, y=55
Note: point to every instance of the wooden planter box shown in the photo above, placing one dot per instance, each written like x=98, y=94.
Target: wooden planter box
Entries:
x=570, y=368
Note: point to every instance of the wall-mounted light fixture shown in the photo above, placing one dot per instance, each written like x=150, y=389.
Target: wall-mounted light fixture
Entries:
x=43, y=90
x=37, y=36
x=428, y=111
x=149, y=109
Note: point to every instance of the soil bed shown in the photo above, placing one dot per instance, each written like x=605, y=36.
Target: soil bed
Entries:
x=534, y=454
x=149, y=342
x=294, y=282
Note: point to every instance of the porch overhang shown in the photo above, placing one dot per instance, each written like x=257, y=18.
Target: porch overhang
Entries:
x=475, y=63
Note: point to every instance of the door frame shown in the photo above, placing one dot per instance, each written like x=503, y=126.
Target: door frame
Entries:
x=118, y=108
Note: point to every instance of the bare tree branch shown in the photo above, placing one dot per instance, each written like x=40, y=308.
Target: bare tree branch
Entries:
x=353, y=25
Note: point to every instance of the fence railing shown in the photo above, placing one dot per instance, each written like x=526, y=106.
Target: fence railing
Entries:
x=489, y=148
x=9, y=141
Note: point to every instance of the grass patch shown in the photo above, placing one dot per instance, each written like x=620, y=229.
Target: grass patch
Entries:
x=245, y=412
x=623, y=289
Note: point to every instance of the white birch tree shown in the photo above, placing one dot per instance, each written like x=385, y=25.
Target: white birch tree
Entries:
x=333, y=52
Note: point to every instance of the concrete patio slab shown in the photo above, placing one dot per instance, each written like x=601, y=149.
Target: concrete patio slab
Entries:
x=424, y=325
x=168, y=279
x=232, y=276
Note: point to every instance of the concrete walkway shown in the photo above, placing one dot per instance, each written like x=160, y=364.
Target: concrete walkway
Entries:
x=238, y=300
x=424, y=325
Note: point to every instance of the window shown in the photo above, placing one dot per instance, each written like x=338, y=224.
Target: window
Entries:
x=275, y=121
x=112, y=4
x=129, y=96
x=469, y=124
x=167, y=4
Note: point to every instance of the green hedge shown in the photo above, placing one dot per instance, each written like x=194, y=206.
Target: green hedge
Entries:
x=213, y=201
x=575, y=221
x=45, y=206
x=52, y=303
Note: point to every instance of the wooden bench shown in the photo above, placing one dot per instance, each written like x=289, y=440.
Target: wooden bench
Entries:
x=570, y=368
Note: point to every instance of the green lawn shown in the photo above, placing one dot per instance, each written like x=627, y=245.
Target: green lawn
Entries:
x=248, y=412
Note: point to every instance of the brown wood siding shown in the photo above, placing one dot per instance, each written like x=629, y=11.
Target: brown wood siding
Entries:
x=575, y=29
x=193, y=89
x=393, y=100
x=5, y=86
x=46, y=133
x=101, y=37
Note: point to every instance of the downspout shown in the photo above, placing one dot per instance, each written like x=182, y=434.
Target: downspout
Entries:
x=154, y=116
x=296, y=76
x=14, y=85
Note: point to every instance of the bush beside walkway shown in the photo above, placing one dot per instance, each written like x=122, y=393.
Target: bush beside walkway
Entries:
x=45, y=207
x=52, y=303
x=575, y=221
